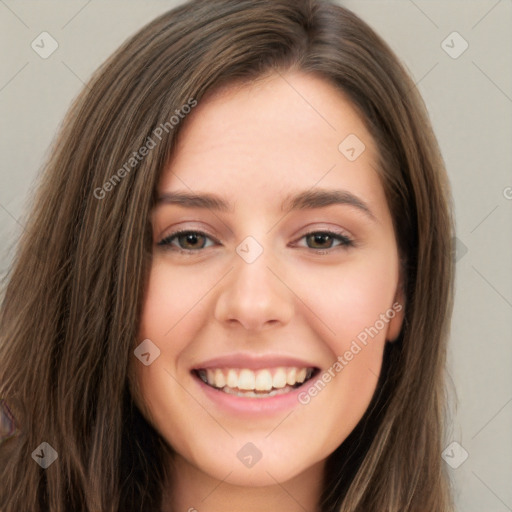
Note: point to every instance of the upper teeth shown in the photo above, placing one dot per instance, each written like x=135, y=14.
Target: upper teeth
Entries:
x=260, y=380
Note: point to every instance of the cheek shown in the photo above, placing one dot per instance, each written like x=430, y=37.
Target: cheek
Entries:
x=172, y=301
x=350, y=298
x=171, y=320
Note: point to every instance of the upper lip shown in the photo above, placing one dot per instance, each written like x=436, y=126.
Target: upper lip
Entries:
x=253, y=362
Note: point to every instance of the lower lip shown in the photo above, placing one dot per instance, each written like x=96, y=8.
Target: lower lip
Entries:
x=250, y=405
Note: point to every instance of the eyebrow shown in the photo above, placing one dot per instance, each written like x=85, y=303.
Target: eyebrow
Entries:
x=306, y=200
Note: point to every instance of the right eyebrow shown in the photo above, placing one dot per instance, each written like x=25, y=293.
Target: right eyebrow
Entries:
x=187, y=200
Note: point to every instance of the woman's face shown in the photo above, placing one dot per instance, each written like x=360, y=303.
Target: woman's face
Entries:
x=256, y=296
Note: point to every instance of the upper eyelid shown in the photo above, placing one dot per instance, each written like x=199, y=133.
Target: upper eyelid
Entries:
x=338, y=230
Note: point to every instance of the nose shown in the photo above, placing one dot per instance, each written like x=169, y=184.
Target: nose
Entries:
x=254, y=295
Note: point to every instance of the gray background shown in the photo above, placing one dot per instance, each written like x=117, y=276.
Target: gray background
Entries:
x=469, y=99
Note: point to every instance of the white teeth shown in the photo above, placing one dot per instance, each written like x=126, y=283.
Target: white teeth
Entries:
x=263, y=381
x=247, y=381
x=290, y=376
x=232, y=379
x=279, y=380
x=301, y=375
x=220, y=381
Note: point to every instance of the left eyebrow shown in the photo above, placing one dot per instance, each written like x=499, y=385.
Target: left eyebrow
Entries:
x=305, y=200
x=320, y=198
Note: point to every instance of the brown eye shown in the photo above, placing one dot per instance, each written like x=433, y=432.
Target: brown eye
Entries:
x=320, y=240
x=191, y=241
x=325, y=239
x=185, y=241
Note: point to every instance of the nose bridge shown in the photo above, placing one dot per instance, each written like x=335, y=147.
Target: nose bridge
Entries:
x=253, y=295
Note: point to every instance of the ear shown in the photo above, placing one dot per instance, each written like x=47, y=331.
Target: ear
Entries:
x=395, y=324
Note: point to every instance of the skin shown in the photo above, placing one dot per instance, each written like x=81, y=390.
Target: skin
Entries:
x=253, y=145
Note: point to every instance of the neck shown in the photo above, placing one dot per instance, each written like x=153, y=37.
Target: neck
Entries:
x=192, y=490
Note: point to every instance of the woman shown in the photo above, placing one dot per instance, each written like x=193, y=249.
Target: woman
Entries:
x=175, y=328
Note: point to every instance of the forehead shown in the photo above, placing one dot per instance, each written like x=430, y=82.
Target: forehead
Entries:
x=287, y=131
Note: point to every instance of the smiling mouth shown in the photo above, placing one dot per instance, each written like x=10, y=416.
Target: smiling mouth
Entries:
x=262, y=383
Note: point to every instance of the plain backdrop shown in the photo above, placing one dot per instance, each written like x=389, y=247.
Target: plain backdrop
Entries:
x=469, y=99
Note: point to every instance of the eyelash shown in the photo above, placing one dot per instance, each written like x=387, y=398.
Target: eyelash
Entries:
x=346, y=242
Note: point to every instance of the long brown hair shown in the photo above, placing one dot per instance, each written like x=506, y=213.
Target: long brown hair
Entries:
x=70, y=311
